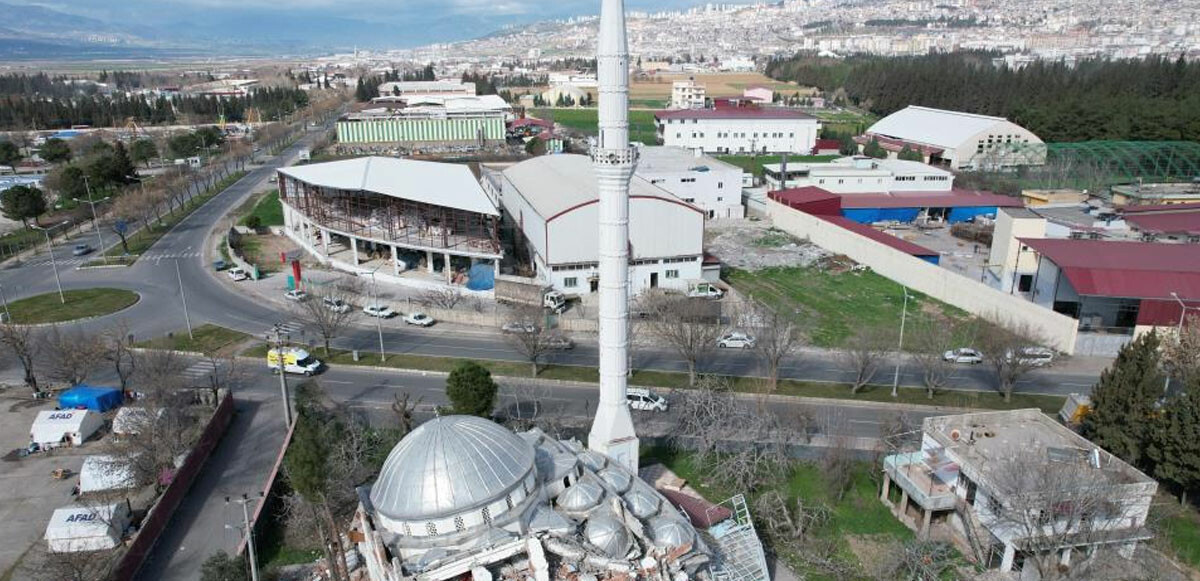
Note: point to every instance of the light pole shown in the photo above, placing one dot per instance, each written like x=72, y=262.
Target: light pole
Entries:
x=378, y=323
x=900, y=346
x=249, y=534
x=187, y=319
x=278, y=337
x=7, y=315
x=95, y=219
x=53, y=263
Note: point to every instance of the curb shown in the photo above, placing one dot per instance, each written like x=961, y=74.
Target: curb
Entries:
x=83, y=319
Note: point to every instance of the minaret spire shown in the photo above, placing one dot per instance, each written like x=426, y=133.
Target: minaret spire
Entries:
x=613, y=161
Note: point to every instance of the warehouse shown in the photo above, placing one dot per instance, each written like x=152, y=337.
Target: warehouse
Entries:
x=426, y=121
x=860, y=174
x=552, y=202
x=955, y=139
x=739, y=129
x=828, y=207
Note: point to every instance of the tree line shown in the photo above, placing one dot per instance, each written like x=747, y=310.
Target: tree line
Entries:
x=368, y=87
x=1151, y=99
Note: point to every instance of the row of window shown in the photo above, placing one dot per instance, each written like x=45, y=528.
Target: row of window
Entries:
x=639, y=262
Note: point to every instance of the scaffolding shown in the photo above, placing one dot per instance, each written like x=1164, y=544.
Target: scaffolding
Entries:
x=740, y=554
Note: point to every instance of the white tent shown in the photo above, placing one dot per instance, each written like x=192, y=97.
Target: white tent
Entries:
x=79, y=528
x=55, y=427
x=130, y=419
x=100, y=473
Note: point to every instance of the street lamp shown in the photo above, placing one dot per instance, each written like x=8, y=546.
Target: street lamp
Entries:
x=53, y=263
x=249, y=532
x=375, y=303
x=278, y=337
x=95, y=219
x=900, y=346
x=186, y=318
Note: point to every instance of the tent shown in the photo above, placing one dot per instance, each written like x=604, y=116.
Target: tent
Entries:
x=97, y=399
x=53, y=428
x=101, y=473
x=130, y=420
x=80, y=528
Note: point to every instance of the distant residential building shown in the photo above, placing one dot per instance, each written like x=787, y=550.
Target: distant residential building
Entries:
x=687, y=95
x=711, y=184
x=956, y=139
x=1168, y=193
x=758, y=93
x=445, y=88
x=739, y=130
x=860, y=174
x=576, y=79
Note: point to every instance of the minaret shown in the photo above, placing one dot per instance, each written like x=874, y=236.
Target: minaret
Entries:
x=613, y=161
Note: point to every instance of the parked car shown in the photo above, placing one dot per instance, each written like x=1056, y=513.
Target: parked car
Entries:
x=296, y=295
x=336, y=305
x=419, y=319
x=1034, y=356
x=219, y=264
x=558, y=343
x=963, y=355
x=81, y=249
x=381, y=311
x=519, y=327
x=645, y=400
x=736, y=340
x=237, y=274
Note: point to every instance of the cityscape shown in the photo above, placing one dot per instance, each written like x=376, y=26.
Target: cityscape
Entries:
x=603, y=291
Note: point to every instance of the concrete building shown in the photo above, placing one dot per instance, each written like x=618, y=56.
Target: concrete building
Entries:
x=1138, y=194
x=956, y=139
x=415, y=89
x=709, y=183
x=361, y=214
x=759, y=94
x=859, y=175
x=426, y=121
x=553, y=202
x=742, y=129
x=687, y=95
x=1023, y=491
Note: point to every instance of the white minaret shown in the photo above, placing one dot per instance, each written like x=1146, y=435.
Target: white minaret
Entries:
x=613, y=160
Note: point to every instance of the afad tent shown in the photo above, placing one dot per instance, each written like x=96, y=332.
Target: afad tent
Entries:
x=52, y=428
x=102, y=473
x=80, y=528
x=97, y=399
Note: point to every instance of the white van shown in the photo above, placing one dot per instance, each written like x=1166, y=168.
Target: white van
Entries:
x=645, y=400
x=295, y=360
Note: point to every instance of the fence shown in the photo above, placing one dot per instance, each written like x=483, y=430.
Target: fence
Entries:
x=1059, y=331
x=159, y=517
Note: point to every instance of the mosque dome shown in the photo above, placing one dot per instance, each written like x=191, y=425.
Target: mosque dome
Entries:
x=451, y=465
x=607, y=533
x=670, y=532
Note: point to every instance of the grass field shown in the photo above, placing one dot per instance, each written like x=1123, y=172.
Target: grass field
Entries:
x=207, y=338
x=1181, y=528
x=92, y=302
x=641, y=123
x=268, y=209
x=754, y=164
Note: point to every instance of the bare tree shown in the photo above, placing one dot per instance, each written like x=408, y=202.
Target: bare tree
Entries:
x=1005, y=351
x=442, y=298
x=778, y=336
x=837, y=459
x=71, y=355
x=321, y=311
x=71, y=566
x=25, y=348
x=864, y=353
x=530, y=339
x=116, y=343
x=527, y=399
x=405, y=409
x=691, y=327
x=916, y=561
x=1181, y=352
x=932, y=337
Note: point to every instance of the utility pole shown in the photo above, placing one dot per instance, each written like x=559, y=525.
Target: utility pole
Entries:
x=244, y=500
x=378, y=323
x=187, y=319
x=7, y=315
x=279, y=338
x=900, y=347
x=95, y=219
x=53, y=264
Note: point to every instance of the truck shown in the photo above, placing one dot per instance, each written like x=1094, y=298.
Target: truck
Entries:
x=527, y=291
x=294, y=360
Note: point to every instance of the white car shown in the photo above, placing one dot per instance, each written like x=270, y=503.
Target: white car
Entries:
x=237, y=274
x=381, y=311
x=336, y=305
x=558, y=343
x=736, y=340
x=963, y=355
x=645, y=400
x=419, y=319
x=1034, y=356
x=523, y=327
x=295, y=295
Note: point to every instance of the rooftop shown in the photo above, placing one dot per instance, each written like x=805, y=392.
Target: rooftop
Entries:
x=665, y=158
x=951, y=199
x=734, y=113
x=440, y=184
x=1124, y=269
x=937, y=127
x=554, y=184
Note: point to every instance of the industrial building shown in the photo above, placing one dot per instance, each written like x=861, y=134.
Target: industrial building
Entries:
x=738, y=129
x=418, y=89
x=427, y=121
x=860, y=174
x=828, y=207
x=1155, y=194
x=703, y=181
x=552, y=202
x=1018, y=488
x=956, y=139
x=361, y=214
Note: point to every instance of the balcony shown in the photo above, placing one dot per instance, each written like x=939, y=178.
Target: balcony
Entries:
x=915, y=475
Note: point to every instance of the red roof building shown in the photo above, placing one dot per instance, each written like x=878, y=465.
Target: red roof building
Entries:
x=827, y=147
x=1165, y=219
x=828, y=207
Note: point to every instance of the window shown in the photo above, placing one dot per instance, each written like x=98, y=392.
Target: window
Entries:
x=672, y=274
x=720, y=185
x=487, y=513
x=678, y=135
x=571, y=281
x=687, y=180
x=720, y=199
x=791, y=135
x=430, y=528
x=459, y=525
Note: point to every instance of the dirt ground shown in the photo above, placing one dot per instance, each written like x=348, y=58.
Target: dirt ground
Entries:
x=715, y=84
x=751, y=245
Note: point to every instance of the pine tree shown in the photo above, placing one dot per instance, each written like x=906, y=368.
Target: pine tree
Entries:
x=471, y=389
x=873, y=149
x=910, y=154
x=1123, y=402
x=1172, y=445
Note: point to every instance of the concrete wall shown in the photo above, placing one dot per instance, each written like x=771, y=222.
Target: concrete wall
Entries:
x=970, y=295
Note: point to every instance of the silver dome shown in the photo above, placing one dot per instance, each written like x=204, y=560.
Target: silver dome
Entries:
x=670, y=532
x=593, y=460
x=642, y=502
x=616, y=478
x=581, y=496
x=607, y=533
x=449, y=465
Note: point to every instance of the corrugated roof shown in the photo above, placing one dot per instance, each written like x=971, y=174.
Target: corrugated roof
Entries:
x=1124, y=269
x=553, y=184
x=1185, y=207
x=734, y=113
x=441, y=184
x=795, y=197
x=951, y=199
x=937, y=127
x=1167, y=223
x=660, y=158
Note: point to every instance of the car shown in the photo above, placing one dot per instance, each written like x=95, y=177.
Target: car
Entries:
x=296, y=295
x=736, y=340
x=219, y=265
x=963, y=355
x=419, y=319
x=523, y=327
x=381, y=311
x=237, y=274
x=645, y=400
x=1034, y=356
x=81, y=249
x=336, y=305
x=558, y=343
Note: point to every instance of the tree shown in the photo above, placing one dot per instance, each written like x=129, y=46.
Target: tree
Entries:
x=533, y=341
x=184, y=144
x=471, y=390
x=848, y=146
x=865, y=352
x=143, y=150
x=70, y=356
x=778, y=336
x=55, y=150
x=1181, y=352
x=123, y=164
x=118, y=350
x=1124, y=401
x=321, y=311
x=931, y=339
x=1004, y=346
x=23, y=346
x=308, y=467
x=873, y=149
x=689, y=326
x=68, y=181
x=10, y=154
x=909, y=154
x=221, y=567
x=22, y=202
x=1171, y=441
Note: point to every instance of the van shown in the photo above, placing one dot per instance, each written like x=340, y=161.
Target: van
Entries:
x=294, y=361
x=645, y=400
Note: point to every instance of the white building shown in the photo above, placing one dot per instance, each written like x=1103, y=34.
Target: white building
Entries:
x=687, y=95
x=959, y=140
x=427, y=89
x=700, y=180
x=53, y=428
x=552, y=201
x=1022, y=489
x=861, y=175
x=735, y=130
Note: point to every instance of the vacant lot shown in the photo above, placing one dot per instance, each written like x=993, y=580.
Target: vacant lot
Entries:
x=641, y=123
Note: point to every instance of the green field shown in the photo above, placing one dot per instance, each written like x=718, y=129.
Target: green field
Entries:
x=754, y=164
x=206, y=338
x=92, y=302
x=641, y=123
x=268, y=209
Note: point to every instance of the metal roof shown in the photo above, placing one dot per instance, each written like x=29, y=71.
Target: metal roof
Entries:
x=951, y=199
x=937, y=127
x=734, y=113
x=553, y=184
x=666, y=158
x=449, y=465
x=440, y=184
x=1124, y=269
x=882, y=237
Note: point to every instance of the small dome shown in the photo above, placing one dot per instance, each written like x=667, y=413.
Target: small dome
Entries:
x=642, y=502
x=616, y=478
x=593, y=460
x=607, y=533
x=670, y=532
x=581, y=496
x=450, y=465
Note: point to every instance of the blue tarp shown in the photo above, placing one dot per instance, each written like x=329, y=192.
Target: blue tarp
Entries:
x=99, y=399
x=872, y=215
x=964, y=214
x=481, y=277
x=932, y=258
